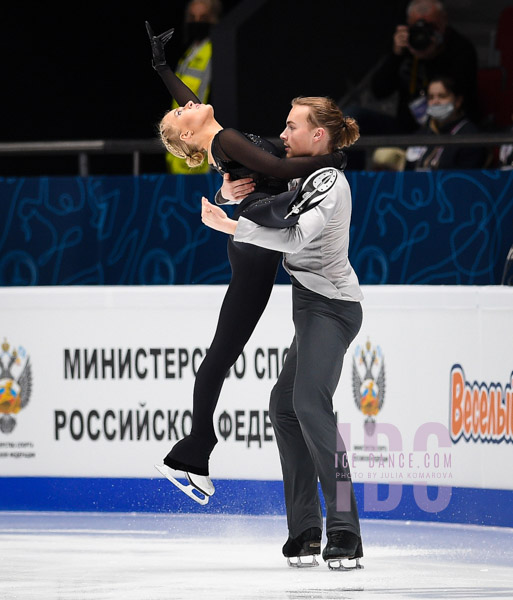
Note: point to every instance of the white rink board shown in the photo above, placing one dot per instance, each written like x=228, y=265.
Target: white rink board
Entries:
x=419, y=333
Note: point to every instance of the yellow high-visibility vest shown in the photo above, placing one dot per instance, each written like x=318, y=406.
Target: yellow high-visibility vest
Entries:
x=195, y=70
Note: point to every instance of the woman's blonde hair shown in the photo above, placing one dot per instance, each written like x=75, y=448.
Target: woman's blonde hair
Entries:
x=170, y=137
x=324, y=112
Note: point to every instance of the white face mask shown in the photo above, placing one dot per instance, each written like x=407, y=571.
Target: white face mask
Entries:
x=440, y=112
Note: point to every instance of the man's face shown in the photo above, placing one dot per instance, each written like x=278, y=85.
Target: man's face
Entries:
x=298, y=135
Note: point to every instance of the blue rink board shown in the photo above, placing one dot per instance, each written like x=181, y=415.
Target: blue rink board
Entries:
x=248, y=497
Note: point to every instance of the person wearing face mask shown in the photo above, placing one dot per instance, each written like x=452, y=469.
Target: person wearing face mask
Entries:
x=195, y=66
x=446, y=116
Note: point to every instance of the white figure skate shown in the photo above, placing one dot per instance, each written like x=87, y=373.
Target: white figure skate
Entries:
x=200, y=487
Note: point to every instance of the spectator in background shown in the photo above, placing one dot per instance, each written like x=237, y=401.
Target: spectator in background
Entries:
x=388, y=159
x=425, y=47
x=446, y=116
x=506, y=153
x=195, y=66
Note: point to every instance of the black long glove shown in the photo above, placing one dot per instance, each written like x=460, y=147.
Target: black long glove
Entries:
x=158, y=43
x=180, y=92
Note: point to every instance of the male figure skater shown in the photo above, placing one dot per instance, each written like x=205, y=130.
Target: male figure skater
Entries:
x=327, y=316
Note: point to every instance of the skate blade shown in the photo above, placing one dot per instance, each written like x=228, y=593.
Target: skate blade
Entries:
x=299, y=564
x=335, y=564
x=190, y=490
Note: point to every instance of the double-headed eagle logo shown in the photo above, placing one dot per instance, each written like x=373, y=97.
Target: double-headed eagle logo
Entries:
x=14, y=391
x=369, y=382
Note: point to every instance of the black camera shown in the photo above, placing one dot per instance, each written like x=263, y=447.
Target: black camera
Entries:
x=421, y=35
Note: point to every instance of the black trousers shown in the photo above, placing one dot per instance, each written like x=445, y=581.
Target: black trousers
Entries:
x=254, y=271
x=302, y=415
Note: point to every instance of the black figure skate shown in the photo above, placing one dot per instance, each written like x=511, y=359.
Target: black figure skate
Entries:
x=306, y=544
x=343, y=545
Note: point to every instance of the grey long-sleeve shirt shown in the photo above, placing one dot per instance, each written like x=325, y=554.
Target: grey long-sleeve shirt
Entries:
x=316, y=248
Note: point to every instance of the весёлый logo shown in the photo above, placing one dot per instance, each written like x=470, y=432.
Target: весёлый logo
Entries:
x=14, y=391
x=480, y=411
x=369, y=382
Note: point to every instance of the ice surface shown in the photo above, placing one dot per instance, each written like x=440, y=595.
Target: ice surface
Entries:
x=99, y=556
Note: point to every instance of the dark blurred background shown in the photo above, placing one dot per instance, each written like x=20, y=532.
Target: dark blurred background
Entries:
x=78, y=71
x=83, y=70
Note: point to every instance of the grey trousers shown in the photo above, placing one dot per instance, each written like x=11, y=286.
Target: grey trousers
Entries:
x=301, y=411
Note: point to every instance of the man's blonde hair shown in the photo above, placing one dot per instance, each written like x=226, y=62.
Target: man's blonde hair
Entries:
x=324, y=112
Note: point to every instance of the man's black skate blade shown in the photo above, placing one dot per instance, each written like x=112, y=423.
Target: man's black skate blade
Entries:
x=335, y=564
x=300, y=563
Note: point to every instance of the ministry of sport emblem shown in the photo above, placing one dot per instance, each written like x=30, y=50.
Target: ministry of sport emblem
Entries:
x=369, y=382
x=15, y=384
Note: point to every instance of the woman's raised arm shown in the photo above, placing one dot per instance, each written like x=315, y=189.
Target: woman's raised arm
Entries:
x=175, y=86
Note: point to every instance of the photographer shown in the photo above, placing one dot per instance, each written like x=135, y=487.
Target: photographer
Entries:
x=427, y=46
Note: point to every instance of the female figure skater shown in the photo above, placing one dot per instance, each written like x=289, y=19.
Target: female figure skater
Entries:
x=191, y=132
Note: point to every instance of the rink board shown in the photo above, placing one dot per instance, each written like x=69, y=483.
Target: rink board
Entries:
x=96, y=386
x=467, y=505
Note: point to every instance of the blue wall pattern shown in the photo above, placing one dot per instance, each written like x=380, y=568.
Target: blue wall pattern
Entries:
x=447, y=227
x=109, y=231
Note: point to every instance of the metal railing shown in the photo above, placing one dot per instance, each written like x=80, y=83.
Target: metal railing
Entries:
x=84, y=149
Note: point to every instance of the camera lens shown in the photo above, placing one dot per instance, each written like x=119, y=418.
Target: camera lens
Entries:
x=421, y=35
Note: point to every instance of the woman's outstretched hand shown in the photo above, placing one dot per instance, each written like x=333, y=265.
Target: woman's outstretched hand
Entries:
x=215, y=217
x=158, y=43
